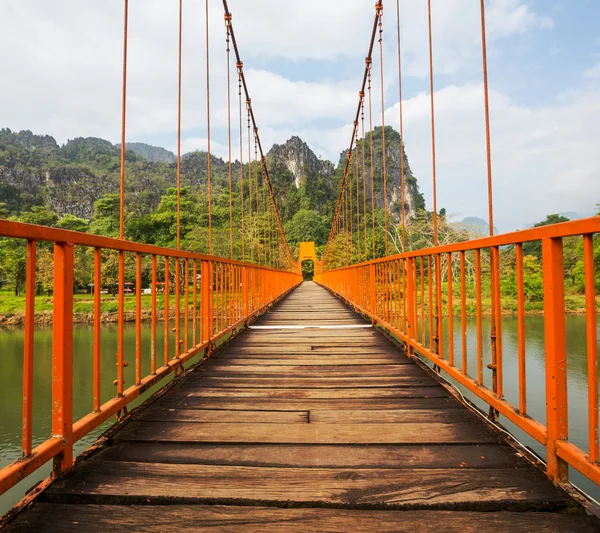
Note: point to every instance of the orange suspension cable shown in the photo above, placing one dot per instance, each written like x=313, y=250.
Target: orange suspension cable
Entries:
x=379, y=8
x=227, y=21
x=364, y=172
x=239, y=66
x=435, y=229
x=402, y=164
x=336, y=225
x=250, y=183
x=356, y=156
x=264, y=215
x=487, y=119
x=179, y=128
x=372, y=167
x=257, y=201
x=260, y=149
x=210, y=247
x=351, y=211
x=123, y=117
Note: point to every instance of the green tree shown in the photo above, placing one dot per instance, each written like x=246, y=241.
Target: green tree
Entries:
x=73, y=223
x=535, y=247
x=307, y=226
x=40, y=215
x=106, y=220
x=13, y=258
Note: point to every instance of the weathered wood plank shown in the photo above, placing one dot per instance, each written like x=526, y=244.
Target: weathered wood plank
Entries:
x=375, y=393
x=301, y=382
x=233, y=519
x=473, y=489
x=217, y=368
x=308, y=361
x=220, y=416
x=389, y=416
x=270, y=404
x=315, y=455
x=406, y=433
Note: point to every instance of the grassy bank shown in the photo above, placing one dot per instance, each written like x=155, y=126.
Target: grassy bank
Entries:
x=12, y=308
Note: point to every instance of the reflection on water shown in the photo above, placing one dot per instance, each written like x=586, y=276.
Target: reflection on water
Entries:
x=11, y=368
x=11, y=386
x=535, y=376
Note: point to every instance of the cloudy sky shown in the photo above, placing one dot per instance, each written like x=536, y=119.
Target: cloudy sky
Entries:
x=61, y=75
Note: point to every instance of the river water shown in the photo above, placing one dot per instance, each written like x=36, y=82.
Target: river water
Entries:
x=11, y=368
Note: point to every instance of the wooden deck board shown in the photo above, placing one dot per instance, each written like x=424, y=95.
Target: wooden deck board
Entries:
x=306, y=418
x=233, y=519
x=474, y=489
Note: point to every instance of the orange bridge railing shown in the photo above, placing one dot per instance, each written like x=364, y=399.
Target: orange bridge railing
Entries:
x=204, y=299
x=412, y=295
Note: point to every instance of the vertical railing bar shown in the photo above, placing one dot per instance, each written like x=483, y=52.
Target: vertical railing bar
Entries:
x=186, y=309
x=498, y=315
x=430, y=303
x=521, y=329
x=97, y=323
x=463, y=314
x=138, y=318
x=422, y=272
x=166, y=313
x=557, y=412
x=121, y=325
x=592, y=346
x=478, y=312
x=438, y=305
x=62, y=356
x=28, y=344
x=450, y=313
x=153, y=332
x=195, y=304
x=178, y=340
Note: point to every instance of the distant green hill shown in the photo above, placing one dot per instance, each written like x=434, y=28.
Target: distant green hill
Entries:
x=156, y=154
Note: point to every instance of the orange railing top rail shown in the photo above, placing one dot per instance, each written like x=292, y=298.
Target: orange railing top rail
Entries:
x=554, y=231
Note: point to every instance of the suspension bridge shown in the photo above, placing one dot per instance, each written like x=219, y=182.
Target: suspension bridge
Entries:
x=359, y=400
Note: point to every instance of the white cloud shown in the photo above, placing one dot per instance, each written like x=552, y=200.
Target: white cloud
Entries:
x=63, y=77
x=544, y=158
x=592, y=73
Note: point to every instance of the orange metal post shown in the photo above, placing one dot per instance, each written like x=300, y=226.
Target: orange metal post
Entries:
x=62, y=356
x=521, y=329
x=409, y=296
x=556, y=349
x=478, y=317
x=153, y=333
x=97, y=301
x=177, y=307
x=166, y=317
x=592, y=350
x=439, y=330
x=121, y=325
x=195, y=304
x=450, y=314
x=463, y=313
x=27, y=414
x=205, y=296
x=138, y=318
x=186, y=310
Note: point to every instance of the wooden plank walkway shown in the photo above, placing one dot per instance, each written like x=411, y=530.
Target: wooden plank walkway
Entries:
x=306, y=430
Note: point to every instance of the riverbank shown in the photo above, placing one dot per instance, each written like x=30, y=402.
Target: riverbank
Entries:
x=12, y=309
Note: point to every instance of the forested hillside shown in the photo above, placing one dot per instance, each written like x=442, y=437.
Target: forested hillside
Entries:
x=46, y=181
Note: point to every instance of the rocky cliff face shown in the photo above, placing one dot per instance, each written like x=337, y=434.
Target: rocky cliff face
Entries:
x=296, y=156
x=413, y=198
x=35, y=170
